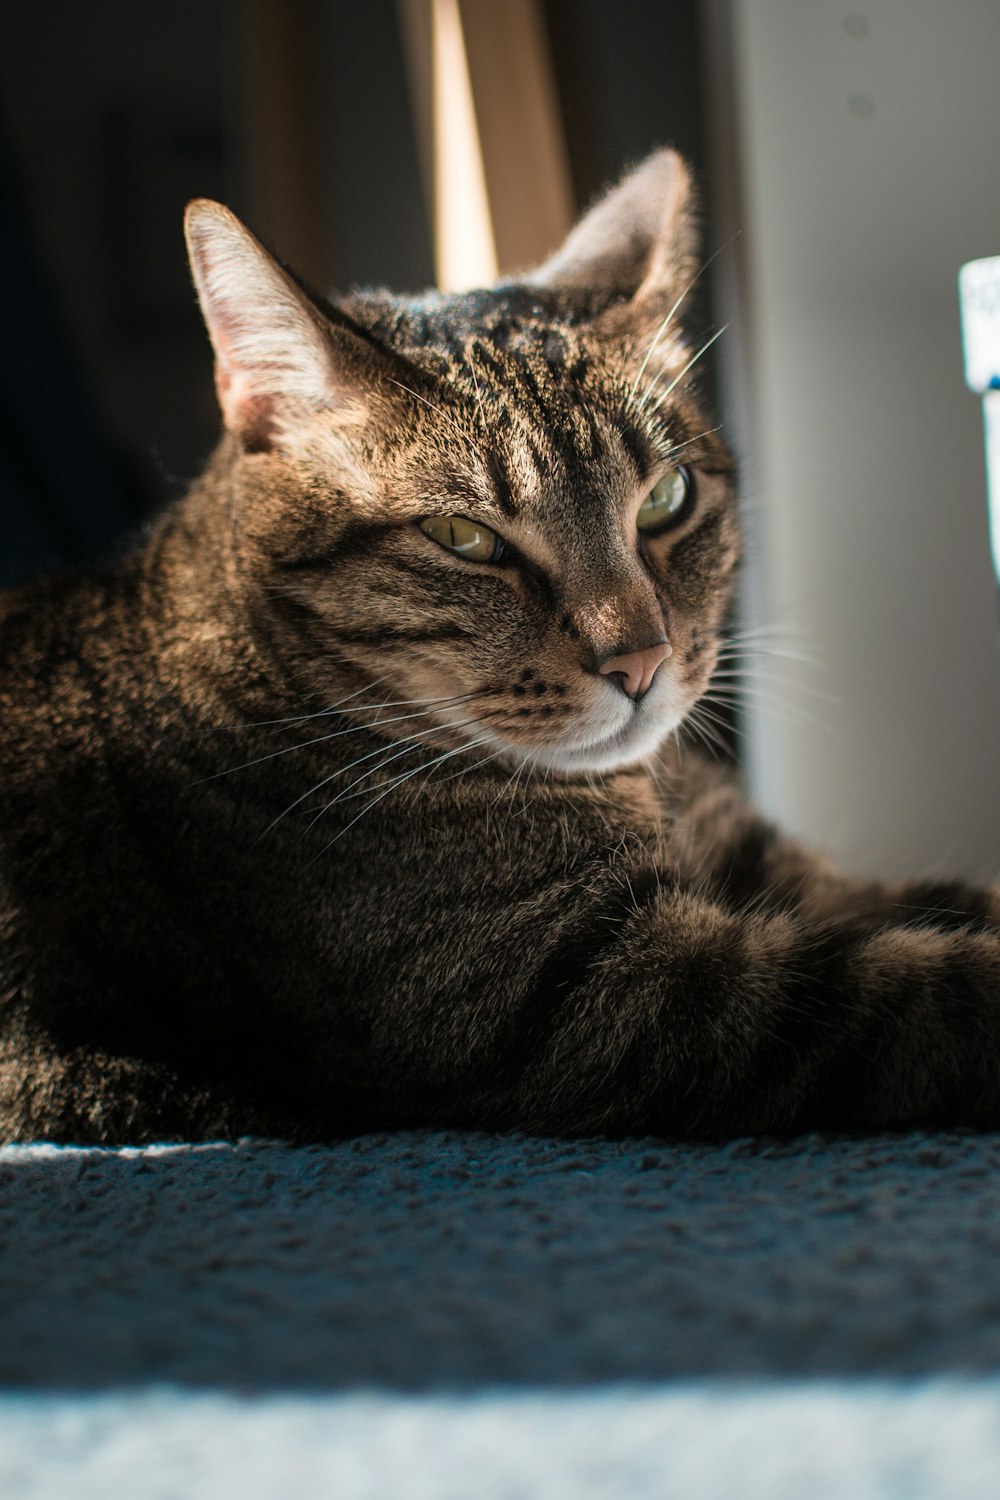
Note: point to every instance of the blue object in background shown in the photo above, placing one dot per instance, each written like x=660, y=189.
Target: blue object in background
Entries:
x=979, y=298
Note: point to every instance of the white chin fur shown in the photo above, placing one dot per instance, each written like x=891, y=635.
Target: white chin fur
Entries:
x=637, y=733
x=635, y=742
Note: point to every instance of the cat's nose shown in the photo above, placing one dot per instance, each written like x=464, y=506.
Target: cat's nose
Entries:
x=635, y=670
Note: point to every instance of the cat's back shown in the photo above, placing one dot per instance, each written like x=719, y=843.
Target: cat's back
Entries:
x=48, y=623
x=60, y=640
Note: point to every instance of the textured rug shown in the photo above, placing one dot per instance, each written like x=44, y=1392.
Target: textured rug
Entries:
x=480, y=1316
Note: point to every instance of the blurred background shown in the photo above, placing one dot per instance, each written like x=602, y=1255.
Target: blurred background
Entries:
x=849, y=164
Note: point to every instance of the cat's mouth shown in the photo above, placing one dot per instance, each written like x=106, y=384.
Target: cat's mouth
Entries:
x=637, y=738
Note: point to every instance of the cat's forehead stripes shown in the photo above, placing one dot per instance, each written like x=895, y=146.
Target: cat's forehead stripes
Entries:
x=501, y=345
x=502, y=489
x=543, y=414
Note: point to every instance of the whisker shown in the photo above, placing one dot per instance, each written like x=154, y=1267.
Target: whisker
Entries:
x=709, y=738
x=342, y=771
x=438, y=411
x=774, y=706
x=728, y=698
x=693, y=726
x=514, y=777
x=764, y=628
x=676, y=448
x=666, y=322
x=409, y=746
x=774, y=639
x=406, y=702
x=475, y=381
x=733, y=676
x=690, y=364
x=712, y=718
x=454, y=775
x=532, y=771
x=743, y=649
x=398, y=781
x=348, y=793
x=656, y=339
x=301, y=718
x=320, y=739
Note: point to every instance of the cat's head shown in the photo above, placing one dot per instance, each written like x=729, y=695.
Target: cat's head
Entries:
x=501, y=506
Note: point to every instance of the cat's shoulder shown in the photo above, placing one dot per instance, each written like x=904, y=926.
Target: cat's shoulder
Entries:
x=55, y=634
x=60, y=610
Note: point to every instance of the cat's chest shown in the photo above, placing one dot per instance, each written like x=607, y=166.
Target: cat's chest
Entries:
x=329, y=880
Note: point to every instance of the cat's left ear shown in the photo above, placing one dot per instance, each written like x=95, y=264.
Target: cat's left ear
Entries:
x=633, y=254
x=273, y=348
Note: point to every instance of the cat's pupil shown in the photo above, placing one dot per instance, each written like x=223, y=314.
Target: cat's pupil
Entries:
x=468, y=539
x=664, y=501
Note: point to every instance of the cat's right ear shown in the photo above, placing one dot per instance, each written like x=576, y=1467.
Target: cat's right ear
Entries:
x=633, y=253
x=271, y=348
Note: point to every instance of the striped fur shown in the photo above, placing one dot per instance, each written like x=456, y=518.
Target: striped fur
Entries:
x=310, y=826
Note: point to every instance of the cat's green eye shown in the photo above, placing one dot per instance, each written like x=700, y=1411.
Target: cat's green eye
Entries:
x=665, y=501
x=469, y=539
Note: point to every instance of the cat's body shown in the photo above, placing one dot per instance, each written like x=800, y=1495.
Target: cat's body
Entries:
x=226, y=904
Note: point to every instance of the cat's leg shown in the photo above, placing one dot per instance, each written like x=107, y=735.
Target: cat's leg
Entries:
x=90, y=1097
x=687, y=1018
x=741, y=859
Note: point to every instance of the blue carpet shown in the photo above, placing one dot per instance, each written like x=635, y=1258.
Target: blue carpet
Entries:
x=436, y=1314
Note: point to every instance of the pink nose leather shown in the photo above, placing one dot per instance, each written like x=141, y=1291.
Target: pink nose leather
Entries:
x=637, y=668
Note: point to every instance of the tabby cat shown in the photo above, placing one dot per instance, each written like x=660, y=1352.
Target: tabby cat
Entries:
x=351, y=798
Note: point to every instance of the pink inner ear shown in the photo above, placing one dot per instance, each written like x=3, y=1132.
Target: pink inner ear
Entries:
x=272, y=349
x=246, y=412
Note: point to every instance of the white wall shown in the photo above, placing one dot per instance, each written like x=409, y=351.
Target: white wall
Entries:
x=862, y=165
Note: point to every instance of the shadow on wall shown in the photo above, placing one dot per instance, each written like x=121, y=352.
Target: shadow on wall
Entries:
x=112, y=115
x=433, y=1261
x=63, y=493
